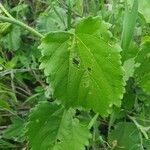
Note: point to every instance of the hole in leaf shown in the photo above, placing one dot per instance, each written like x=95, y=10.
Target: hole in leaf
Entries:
x=58, y=141
x=89, y=69
x=76, y=61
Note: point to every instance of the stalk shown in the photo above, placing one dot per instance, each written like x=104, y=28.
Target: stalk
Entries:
x=69, y=16
x=12, y=20
x=17, y=22
x=5, y=11
x=93, y=121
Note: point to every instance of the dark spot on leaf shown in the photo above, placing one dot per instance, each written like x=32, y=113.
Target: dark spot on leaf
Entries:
x=76, y=61
x=58, y=140
x=89, y=69
x=51, y=99
x=78, y=112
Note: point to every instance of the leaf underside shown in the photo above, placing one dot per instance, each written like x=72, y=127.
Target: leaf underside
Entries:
x=83, y=69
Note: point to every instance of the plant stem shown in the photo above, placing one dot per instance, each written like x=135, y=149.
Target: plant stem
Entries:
x=86, y=7
x=69, y=16
x=66, y=8
x=5, y=11
x=93, y=121
x=102, y=7
x=17, y=22
x=140, y=127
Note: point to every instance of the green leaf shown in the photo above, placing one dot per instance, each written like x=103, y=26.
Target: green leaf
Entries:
x=49, y=21
x=4, y=104
x=12, y=40
x=129, y=25
x=144, y=6
x=6, y=94
x=131, y=52
x=6, y=145
x=12, y=63
x=15, y=131
x=125, y=136
x=129, y=67
x=83, y=69
x=4, y=28
x=79, y=6
x=142, y=73
x=51, y=127
x=129, y=98
x=146, y=143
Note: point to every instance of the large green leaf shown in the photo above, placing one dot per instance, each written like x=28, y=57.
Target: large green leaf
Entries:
x=142, y=73
x=83, y=69
x=51, y=127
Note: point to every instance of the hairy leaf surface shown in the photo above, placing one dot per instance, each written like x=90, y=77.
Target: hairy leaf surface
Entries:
x=51, y=127
x=83, y=69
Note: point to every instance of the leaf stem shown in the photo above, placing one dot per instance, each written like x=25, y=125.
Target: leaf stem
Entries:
x=69, y=16
x=93, y=121
x=5, y=11
x=12, y=20
x=140, y=127
x=102, y=7
x=17, y=22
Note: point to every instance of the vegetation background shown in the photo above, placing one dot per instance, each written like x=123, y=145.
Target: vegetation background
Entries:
x=24, y=87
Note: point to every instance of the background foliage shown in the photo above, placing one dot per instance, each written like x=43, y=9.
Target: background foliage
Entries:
x=95, y=50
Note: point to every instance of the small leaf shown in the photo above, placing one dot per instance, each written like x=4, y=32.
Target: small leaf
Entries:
x=83, y=69
x=142, y=73
x=129, y=67
x=49, y=21
x=129, y=98
x=144, y=6
x=6, y=145
x=129, y=25
x=15, y=131
x=146, y=143
x=125, y=136
x=51, y=127
x=12, y=40
x=4, y=28
x=4, y=104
